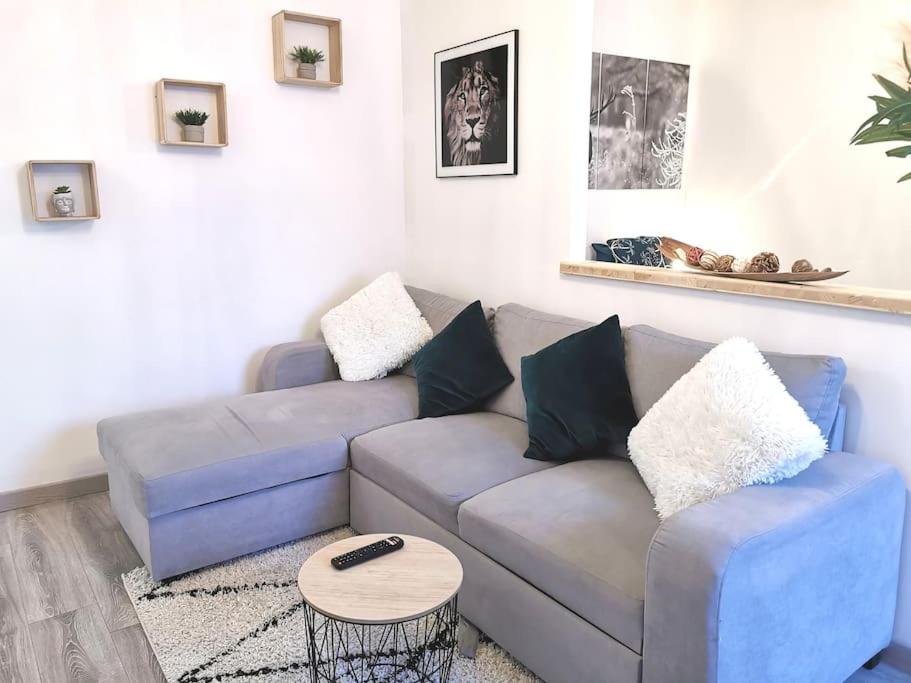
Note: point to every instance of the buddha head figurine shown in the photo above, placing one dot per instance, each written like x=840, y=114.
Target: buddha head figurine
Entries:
x=62, y=200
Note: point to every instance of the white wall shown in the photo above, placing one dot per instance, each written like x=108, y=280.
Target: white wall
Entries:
x=501, y=239
x=202, y=258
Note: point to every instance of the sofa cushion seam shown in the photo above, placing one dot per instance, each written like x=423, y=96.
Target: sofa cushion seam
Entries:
x=564, y=323
x=825, y=394
x=145, y=483
x=271, y=451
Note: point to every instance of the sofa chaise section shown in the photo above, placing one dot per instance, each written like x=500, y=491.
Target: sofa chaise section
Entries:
x=197, y=485
x=287, y=449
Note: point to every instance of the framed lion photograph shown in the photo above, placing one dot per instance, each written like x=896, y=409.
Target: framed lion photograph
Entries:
x=476, y=87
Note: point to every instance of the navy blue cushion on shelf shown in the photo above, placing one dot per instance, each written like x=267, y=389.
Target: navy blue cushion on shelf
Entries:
x=635, y=251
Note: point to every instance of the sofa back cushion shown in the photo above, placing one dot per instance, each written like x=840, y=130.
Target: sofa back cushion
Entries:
x=438, y=310
x=521, y=331
x=656, y=359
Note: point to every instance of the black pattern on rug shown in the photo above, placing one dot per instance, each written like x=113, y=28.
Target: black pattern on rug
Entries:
x=244, y=621
x=193, y=676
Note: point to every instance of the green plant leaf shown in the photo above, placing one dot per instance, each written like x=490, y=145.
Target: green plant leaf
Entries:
x=880, y=116
x=883, y=133
x=191, y=117
x=899, y=151
x=894, y=89
x=306, y=55
x=882, y=102
x=905, y=177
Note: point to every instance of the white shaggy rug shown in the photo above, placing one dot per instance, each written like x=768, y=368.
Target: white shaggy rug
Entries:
x=241, y=621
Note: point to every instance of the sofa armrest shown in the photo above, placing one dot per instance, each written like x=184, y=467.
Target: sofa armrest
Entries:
x=791, y=582
x=296, y=364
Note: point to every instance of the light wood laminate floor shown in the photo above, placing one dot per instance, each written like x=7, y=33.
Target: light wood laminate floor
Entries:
x=64, y=615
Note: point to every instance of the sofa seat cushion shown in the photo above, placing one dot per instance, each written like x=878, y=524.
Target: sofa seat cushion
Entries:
x=579, y=532
x=436, y=464
x=183, y=457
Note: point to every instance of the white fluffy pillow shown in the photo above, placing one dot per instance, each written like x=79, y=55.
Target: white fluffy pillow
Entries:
x=727, y=423
x=377, y=330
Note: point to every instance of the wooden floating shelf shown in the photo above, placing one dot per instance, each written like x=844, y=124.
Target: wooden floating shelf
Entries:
x=62, y=219
x=281, y=45
x=181, y=143
x=867, y=298
x=214, y=93
x=310, y=82
x=43, y=176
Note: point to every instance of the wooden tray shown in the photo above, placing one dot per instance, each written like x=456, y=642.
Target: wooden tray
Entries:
x=776, y=277
x=674, y=250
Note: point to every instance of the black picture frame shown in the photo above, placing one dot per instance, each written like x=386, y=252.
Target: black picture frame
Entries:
x=476, y=107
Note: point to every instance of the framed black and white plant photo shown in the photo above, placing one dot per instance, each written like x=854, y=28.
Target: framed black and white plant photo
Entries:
x=476, y=105
x=637, y=123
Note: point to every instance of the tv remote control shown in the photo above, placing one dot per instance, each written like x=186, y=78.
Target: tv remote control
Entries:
x=368, y=552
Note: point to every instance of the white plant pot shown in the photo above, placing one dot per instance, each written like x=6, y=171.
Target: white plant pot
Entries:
x=194, y=134
x=63, y=204
x=307, y=71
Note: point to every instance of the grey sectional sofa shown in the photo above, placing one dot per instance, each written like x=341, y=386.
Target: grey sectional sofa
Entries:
x=566, y=566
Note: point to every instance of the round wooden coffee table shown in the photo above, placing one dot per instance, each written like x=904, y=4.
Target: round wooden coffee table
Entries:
x=392, y=618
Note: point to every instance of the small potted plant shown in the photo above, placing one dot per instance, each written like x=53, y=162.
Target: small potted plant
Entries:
x=62, y=199
x=307, y=58
x=192, y=121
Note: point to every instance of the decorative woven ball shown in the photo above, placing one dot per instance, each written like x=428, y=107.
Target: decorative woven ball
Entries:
x=740, y=265
x=802, y=266
x=693, y=255
x=708, y=260
x=827, y=269
x=725, y=264
x=764, y=262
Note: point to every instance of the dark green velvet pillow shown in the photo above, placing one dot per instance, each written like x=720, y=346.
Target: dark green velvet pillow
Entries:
x=460, y=367
x=578, y=397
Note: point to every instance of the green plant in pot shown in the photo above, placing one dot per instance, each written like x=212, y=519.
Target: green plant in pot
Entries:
x=892, y=120
x=307, y=58
x=192, y=121
x=62, y=200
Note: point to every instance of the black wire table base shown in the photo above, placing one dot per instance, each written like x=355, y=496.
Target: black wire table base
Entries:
x=411, y=651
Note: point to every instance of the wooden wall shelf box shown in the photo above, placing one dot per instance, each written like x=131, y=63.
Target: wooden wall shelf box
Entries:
x=217, y=123
x=868, y=298
x=44, y=176
x=280, y=48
